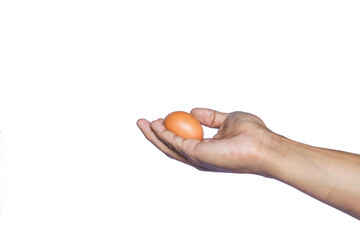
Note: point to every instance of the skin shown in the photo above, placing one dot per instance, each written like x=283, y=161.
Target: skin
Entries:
x=243, y=144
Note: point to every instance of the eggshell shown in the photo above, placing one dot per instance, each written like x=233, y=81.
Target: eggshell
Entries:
x=184, y=124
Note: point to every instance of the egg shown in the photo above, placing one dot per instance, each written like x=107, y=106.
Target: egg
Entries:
x=184, y=124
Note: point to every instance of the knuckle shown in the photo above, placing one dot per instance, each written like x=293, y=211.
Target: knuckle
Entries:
x=212, y=119
x=194, y=152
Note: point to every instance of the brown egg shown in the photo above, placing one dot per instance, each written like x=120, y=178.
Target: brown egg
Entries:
x=185, y=125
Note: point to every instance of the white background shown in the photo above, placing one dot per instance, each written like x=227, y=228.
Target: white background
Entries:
x=76, y=75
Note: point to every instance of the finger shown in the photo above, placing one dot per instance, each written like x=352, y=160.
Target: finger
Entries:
x=183, y=146
x=202, y=155
x=208, y=117
x=145, y=127
x=205, y=140
x=167, y=137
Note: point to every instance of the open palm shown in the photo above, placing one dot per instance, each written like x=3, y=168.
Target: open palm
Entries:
x=235, y=147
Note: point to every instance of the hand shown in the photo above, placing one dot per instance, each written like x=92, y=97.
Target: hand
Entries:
x=237, y=147
x=243, y=144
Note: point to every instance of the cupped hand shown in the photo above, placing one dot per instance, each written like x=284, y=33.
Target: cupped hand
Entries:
x=239, y=145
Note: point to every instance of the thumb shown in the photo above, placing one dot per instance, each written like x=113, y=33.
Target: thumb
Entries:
x=208, y=117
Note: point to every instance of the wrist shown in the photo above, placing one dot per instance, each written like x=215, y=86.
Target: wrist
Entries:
x=271, y=153
x=287, y=160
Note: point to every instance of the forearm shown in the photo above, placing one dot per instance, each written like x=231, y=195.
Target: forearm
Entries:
x=332, y=177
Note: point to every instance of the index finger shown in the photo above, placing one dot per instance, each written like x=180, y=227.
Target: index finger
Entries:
x=183, y=146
